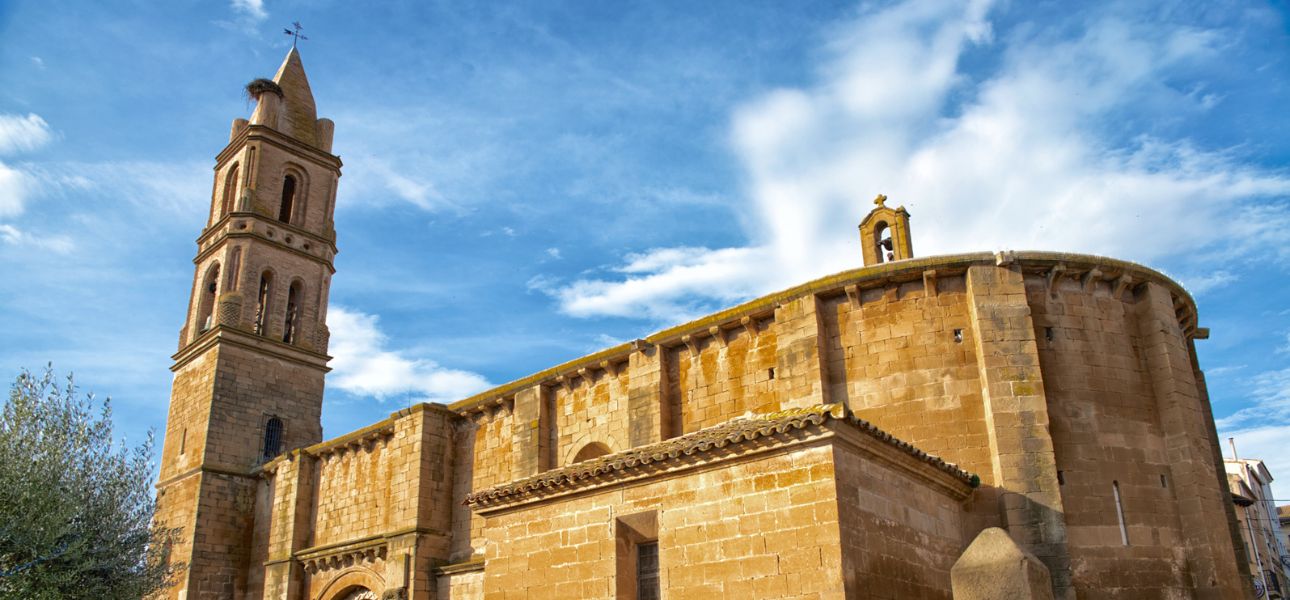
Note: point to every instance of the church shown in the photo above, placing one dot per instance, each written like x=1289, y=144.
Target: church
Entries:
x=984, y=425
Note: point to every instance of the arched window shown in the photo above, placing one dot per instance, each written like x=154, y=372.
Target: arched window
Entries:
x=262, y=303
x=230, y=191
x=590, y=451
x=882, y=237
x=272, y=438
x=291, y=324
x=288, y=198
x=206, y=302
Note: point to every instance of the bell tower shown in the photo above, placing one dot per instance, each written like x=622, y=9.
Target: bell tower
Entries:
x=248, y=376
x=884, y=234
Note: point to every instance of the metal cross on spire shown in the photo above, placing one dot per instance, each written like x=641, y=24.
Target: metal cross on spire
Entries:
x=295, y=35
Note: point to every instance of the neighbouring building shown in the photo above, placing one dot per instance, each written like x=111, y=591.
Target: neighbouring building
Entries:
x=1251, y=485
x=863, y=435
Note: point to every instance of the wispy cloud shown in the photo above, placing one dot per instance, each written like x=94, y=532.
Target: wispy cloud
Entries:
x=1032, y=154
x=57, y=243
x=1200, y=284
x=19, y=133
x=253, y=9
x=1269, y=402
x=364, y=365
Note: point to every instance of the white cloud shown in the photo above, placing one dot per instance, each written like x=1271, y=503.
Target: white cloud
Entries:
x=57, y=243
x=1200, y=284
x=554, y=253
x=1031, y=155
x=1269, y=402
x=23, y=133
x=253, y=9
x=363, y=365
x=15, y=187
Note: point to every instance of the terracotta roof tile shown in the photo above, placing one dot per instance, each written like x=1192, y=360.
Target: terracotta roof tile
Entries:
x=734, y=431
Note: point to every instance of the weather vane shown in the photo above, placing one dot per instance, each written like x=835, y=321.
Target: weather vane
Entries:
x=295, y=35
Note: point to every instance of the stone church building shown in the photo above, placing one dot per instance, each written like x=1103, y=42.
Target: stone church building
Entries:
x=871, y=434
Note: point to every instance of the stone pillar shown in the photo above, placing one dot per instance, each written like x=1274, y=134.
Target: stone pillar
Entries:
x=1204, y=507
x=532, y=432
x=800, y=363
x=648, y=418
x=994, y=567
x=1016, y=413
x=293, y=491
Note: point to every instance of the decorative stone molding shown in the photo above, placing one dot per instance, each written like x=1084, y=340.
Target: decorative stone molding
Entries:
x=342, y=556
x=363, y=439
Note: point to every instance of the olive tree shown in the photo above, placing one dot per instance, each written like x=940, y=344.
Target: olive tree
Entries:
x=75, y=507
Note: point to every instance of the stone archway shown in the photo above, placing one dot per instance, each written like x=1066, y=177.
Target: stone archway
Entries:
x=359, y=593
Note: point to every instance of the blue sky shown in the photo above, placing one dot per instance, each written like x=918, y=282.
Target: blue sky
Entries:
x=528, y=182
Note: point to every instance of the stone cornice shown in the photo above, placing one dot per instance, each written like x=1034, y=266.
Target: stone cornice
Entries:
x=209, y=234
x=755, y=433
x=223, y=334
x=268, y=135
x=468, y=566
x=1087, y=269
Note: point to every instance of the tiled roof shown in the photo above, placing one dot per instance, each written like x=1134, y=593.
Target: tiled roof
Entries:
x=734, y=431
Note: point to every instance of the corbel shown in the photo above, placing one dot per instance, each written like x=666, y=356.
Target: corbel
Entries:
x=610, y=367
x=1090, y=279
x=1201, y=333
x=585, y=374
x=564, y=382
x=718, y=335
x=1004, y=258
x=639, y=345
x=929, y=283
x=690, y=345
x=750, y=325
x=1121, y=282
x=853, y=296
x=1052, y=276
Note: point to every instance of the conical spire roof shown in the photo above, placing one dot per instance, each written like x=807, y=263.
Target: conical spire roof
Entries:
x=299, y=116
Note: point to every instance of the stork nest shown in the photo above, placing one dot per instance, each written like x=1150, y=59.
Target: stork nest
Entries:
x=262, y=86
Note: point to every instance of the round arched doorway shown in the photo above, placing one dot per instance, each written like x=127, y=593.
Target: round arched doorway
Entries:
x=358, y=593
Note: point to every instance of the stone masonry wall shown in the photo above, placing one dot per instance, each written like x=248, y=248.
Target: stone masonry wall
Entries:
x=719, y=381
x=899, y=537
x=764, y=528
x=1106, y=431
x=593, y=408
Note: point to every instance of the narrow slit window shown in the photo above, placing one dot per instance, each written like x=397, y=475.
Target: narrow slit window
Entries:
x=958, y=336
x=272, y=438
x=288, y=199
x=183, y=440
x=1061, y=478
x=291, y=323
x=1119, y=513
x=647, y=583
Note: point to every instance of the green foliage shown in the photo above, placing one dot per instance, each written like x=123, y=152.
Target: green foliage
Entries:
x=75, y=509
